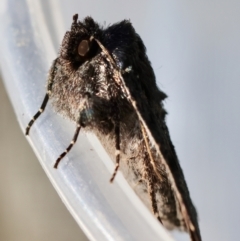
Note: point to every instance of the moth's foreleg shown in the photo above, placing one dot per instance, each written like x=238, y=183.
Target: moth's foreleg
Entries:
x=40, y=111
x=71, y=144
x=46, y=98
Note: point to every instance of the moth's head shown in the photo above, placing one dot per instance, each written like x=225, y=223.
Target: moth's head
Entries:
x=78, y=44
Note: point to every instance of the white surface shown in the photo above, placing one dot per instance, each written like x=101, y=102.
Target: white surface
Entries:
x=194, y=49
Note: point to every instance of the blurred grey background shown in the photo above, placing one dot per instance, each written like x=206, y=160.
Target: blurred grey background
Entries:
x=30, y=209
x=195, y=52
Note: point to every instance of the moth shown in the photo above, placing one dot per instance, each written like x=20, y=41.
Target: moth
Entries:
x=103, y=81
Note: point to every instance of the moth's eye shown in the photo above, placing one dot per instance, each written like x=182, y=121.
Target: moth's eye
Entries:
x=83, y=48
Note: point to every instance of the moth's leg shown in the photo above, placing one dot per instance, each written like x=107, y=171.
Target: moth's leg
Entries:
x=116, y=119
x=117, y=144
x=146, y=140
x=46, y=98
x=149, y=167
x=81, y=121
x=149, y=175
x=40, y=111
x=71, y=144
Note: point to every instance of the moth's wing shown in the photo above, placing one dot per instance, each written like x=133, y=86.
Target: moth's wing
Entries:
x=146, y=99
x=139, y=87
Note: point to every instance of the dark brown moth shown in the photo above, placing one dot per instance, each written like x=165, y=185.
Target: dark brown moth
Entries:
x=103, y=81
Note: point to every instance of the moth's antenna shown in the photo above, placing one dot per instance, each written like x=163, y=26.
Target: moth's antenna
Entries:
x=75, y=18
x=74, y=23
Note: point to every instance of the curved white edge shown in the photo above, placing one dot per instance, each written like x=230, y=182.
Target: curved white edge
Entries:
x=104, y=211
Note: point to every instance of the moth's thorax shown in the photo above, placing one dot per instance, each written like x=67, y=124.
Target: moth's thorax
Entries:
x=71, y=84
